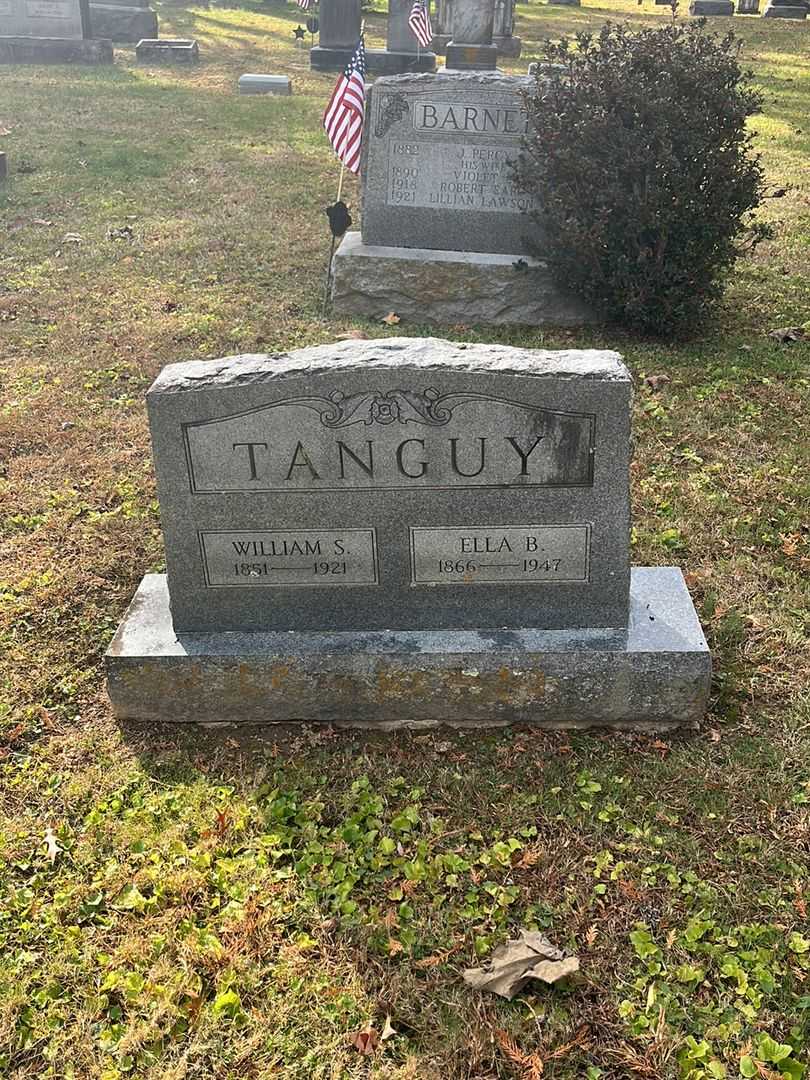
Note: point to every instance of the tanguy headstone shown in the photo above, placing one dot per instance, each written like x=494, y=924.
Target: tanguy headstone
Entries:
x=446, y=236
x=402, y=531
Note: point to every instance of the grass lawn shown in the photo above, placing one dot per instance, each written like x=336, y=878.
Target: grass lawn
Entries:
x=222, y=904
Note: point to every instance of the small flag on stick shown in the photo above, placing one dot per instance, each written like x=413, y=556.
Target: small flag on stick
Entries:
x=343, y=119
x=419, y=22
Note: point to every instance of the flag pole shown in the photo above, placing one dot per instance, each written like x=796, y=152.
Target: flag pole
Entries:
x=328, y=286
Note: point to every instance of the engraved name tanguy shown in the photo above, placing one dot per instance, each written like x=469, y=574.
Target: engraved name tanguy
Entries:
x=468, y=440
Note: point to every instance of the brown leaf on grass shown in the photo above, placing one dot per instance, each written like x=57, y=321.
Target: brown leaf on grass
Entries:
x=391, y=319
x=394, y=947
x=591, y=934
x=352, y=335
x=513, y=964
x=388, y=1031
x=433, y=961
x=52, y=845
x=366, y=1040
x=786, y=334
x=657, y=382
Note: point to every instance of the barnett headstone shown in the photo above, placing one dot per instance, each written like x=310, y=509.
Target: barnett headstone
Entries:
x=443, y=225
x=398, y=531
x=435, y=169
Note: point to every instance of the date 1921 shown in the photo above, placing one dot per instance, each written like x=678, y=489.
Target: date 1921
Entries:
x=263, y=569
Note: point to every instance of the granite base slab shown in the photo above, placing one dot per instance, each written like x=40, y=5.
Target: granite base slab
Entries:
x=711, y=7
x=445, y=288
x=31, y=50
x=392, y=62
x=336, y=57
x=461, y=57
x=783, y=11
x=653, y=676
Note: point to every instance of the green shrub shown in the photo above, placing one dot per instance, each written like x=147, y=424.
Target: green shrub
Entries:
x=641, y=165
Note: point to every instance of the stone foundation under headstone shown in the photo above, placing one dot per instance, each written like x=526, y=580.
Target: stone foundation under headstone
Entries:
x=445, y=288
x=711, y=7
x=652, y=676
x=785, y=11
x=29, y=50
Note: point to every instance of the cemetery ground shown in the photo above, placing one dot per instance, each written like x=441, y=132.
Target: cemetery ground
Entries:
x=226, y=903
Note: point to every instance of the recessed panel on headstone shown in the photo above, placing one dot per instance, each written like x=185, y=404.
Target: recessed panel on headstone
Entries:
x=436, y=170
x=41, y=18
x=399, y=484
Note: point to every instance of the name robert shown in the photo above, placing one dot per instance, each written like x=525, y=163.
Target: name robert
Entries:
x=509, y=458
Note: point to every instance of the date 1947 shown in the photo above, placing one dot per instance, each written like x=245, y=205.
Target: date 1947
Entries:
x=528, y=566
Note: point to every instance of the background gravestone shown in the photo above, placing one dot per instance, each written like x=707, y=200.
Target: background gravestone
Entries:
x=124, y=20
x=398, y=530
x=471, y=48
x=43, y=31
x=443, y=226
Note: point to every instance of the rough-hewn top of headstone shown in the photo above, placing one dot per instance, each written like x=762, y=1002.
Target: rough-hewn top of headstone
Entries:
x=458, y=80
x=427, y=354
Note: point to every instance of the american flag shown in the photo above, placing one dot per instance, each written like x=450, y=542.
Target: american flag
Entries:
x=305, y=5
x=343, y=119
x=419, y=22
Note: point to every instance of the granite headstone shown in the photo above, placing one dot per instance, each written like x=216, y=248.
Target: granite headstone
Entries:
x=402, y=530
x=435, y=168
x=49, y=31
x=446, y=235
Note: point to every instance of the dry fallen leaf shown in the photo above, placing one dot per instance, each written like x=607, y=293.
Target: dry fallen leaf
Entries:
x=366, y=1040
x=655, y=382
x=391, y=318
x=513, y=964
x=786, y=334
x=353, y=335
x=388, y=1030
x=591, y=934
x=52, y=845
x=394, y=947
